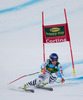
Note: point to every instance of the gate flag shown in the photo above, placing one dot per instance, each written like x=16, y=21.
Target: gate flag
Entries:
x=55, y=34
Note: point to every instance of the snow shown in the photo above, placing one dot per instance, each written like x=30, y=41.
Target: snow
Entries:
x=21, y=50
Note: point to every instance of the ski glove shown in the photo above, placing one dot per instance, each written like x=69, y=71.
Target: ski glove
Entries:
x=43, y=70
x=62, y=80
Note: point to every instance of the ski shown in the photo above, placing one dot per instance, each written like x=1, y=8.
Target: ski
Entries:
x=19, y=89
x=45, y=88
x=27, y=90
x=30, y=90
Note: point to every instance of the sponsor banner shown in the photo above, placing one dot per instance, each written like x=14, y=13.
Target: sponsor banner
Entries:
x=55, y=33
x=56, y=40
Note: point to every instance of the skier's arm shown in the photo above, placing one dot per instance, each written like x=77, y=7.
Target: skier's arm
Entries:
x=61, y=73
x=60, y=70
x=43, y=66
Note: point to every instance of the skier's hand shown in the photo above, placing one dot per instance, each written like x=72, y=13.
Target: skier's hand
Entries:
x=43, y=70
x=62, y=80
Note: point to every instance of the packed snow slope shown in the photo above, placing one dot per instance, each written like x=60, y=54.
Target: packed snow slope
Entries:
x=21, y=50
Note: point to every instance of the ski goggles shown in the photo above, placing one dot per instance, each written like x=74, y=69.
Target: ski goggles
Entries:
x=54, y=60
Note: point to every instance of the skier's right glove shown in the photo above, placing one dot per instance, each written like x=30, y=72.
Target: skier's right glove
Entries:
x=43, y=70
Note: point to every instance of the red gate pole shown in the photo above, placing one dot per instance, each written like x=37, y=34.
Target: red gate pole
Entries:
x=70, y=45
x=43, y=51
x=43, y=36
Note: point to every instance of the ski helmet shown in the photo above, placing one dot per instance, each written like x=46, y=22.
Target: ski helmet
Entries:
x=53, y=56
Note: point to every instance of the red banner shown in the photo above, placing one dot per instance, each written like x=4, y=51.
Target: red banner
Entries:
x=55, y=33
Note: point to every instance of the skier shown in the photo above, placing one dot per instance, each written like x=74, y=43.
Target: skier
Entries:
x=50, y=70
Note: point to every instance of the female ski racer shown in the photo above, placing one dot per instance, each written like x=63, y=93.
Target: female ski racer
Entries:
x=51, y=69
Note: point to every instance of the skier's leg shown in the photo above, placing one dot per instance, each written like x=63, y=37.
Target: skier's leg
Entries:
x=52, y=78
x=35, y=82
x=32, y=83
x=38, y=81
x=44, y=77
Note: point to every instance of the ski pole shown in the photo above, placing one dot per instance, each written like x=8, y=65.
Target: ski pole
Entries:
x=23, y=76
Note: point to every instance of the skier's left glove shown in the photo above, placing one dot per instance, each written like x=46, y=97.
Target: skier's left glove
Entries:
x=62, y=80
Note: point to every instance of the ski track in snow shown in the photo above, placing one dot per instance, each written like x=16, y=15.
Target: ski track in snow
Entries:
x=78, y=78
x=66, y=65
x=31, y=2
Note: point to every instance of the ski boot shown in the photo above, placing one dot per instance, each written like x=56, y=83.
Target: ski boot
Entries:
x=43, y=84
x=25, y=86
